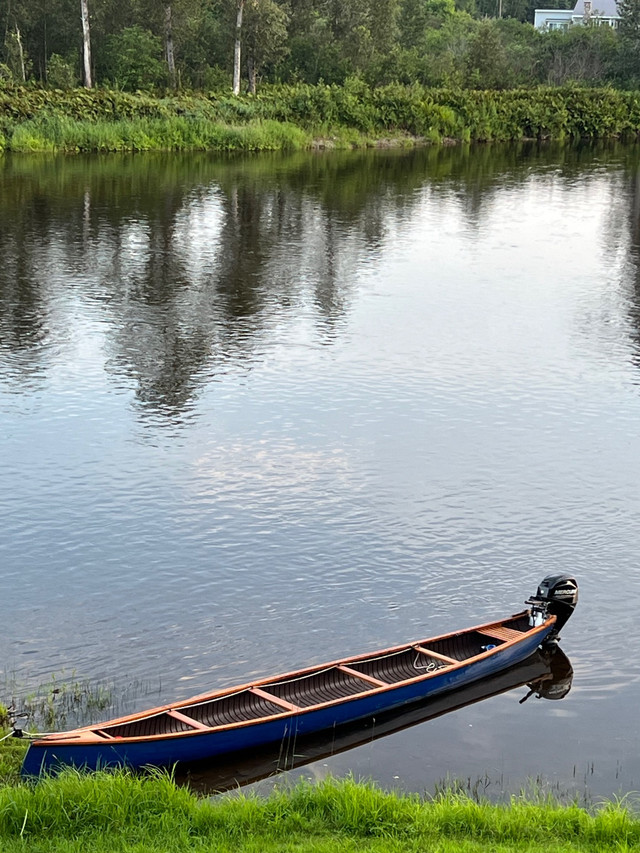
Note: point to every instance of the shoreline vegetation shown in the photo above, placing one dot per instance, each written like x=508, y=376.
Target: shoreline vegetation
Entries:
x=119, y=811
x=307, y=117
x=110, y=811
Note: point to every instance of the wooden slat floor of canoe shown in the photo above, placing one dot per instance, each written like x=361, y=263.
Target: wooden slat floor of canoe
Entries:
x=399, y=666
x=325, y=686
x=461, y=647
x=236, y=708
x=158, y=724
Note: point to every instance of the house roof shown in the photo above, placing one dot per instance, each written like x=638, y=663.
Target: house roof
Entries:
x=604, y=8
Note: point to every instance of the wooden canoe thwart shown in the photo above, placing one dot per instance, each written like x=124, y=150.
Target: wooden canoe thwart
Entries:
x=311, y=700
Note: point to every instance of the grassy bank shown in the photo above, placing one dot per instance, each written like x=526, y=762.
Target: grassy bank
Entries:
x=122, y=813
x=101, y=812
x=301, y=117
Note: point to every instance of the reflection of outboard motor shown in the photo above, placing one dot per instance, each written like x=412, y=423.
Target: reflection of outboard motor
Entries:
x=557, y=682
x=561, y=679
x=556, y=595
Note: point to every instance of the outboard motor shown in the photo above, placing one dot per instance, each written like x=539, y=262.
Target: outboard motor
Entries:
x=556, y=595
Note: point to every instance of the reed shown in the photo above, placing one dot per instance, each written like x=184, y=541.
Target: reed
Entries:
x=64, y=700
x=117, y=811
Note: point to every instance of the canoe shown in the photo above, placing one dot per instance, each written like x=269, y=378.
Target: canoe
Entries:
x=310, y=700
x=547, y=674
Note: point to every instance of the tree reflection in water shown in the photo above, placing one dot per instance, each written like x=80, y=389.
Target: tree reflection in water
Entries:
x=187, y=265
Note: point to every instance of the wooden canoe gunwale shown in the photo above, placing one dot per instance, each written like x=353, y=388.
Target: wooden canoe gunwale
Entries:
x=179, y=711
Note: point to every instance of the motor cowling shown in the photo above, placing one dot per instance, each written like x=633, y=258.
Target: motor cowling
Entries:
x=556, y=595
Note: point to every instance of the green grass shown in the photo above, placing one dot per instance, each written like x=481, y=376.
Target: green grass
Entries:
x=100, y=812
x=12, y=752
x=119, y=812
x=64, y=134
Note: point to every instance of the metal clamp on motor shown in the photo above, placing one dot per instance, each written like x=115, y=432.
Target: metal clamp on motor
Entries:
x=538, y=612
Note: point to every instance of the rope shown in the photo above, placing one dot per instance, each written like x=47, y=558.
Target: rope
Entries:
x=26, y=734
x=297, y=677
x=432, y=666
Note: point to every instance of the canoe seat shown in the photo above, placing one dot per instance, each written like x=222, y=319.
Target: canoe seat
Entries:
x=501, y=633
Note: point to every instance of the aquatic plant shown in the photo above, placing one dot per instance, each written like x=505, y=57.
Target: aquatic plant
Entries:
x=65, y=699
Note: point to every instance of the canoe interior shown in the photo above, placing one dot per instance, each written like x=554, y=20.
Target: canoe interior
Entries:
x=306, y=690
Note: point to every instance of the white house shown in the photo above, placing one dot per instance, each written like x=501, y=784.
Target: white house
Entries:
x=595, y=12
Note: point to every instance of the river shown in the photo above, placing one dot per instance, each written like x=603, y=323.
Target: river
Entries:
x=262, y=412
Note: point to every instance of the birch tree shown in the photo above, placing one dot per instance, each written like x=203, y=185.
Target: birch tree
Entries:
x=168, y=41
x=86, y=44
x=237, y=52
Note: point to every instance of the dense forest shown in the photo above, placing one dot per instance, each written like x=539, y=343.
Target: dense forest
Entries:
x=154, y=45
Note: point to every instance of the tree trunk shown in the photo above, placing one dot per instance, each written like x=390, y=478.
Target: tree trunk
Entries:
x=43, y=66
x=237, y=51
x=23, y=70
x=86, y=43
x=168, y=38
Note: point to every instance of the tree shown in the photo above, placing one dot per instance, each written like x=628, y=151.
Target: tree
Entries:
x=583, y=54
x=86, y=44
x=629, y=11
x=265, y=36
x=168, y=41
x=485, y=61
x=314, y=51
x=15, y=53
x=237, y=48
x=136, y=59
x=60, y=73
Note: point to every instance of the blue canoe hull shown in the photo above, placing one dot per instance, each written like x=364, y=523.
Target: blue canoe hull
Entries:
x=45, y=756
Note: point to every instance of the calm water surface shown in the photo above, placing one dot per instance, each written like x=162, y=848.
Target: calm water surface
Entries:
x=257, y=413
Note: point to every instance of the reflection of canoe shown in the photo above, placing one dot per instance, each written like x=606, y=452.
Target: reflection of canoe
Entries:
x=547, y=673
x=309, y=700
